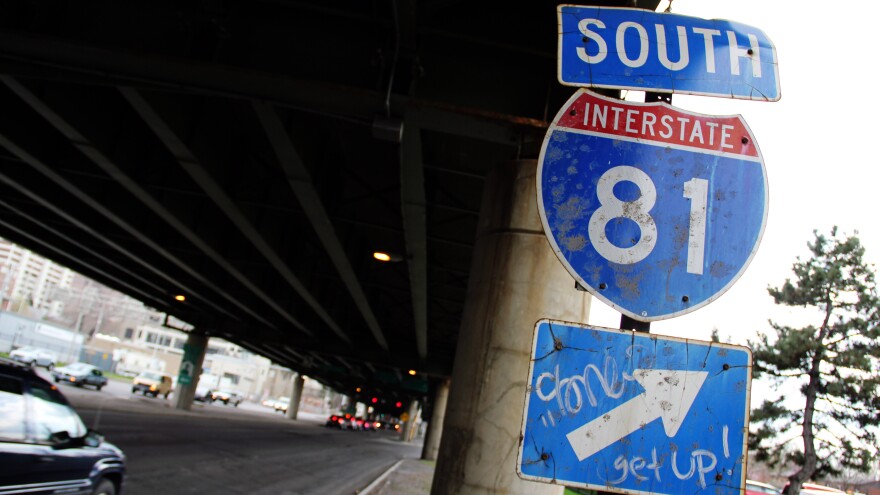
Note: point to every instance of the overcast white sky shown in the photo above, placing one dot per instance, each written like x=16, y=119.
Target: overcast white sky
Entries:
x=817, y=147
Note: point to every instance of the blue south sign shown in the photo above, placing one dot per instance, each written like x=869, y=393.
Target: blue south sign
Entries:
x=654, y=210
x=634, y=413
x=651, y=51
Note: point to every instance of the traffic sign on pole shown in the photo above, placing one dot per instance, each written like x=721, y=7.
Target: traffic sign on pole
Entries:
x=654, y=210
x=621, y=48
x=629, y=412
x=187, y=365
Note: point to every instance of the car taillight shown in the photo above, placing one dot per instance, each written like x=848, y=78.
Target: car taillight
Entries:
x=73, y=378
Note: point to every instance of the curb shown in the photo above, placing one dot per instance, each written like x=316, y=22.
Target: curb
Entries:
x=375, y=484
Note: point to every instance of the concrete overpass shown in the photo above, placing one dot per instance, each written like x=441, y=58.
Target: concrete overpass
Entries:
x=251, y=156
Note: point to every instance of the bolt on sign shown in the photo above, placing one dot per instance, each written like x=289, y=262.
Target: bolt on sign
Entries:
x=654, y=210
x=638, y=49
x=628, y=412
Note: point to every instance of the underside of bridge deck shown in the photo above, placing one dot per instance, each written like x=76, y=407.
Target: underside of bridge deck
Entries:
x=253, y=155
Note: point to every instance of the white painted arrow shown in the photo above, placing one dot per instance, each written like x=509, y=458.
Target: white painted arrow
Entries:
x=668, y=395
x=187, y=368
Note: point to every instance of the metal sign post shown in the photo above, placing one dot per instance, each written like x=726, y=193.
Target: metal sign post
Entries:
x=628, y=412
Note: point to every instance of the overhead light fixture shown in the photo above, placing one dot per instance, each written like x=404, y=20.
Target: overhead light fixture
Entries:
x=180, y=297
x=387, y=257
x=412, y=372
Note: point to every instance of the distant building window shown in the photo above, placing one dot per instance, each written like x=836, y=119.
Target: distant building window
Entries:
x=151, y=338
x=232, y=378
x=178, y=344
x=128, y=333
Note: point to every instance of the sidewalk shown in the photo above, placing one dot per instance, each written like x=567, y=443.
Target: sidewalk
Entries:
x=406, y=477
x=413, y=477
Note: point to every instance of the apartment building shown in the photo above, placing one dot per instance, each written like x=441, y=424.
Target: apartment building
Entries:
x=101, y=319
x=29, y=281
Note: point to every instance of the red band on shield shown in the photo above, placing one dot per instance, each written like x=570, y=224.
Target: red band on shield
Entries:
x=660, y=123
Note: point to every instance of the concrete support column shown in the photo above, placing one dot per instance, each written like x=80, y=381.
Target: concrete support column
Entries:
x=435, y=426
x=296, y=392
x=412, y=417
x=190, y=369
x=346, y=406
x=515, y=280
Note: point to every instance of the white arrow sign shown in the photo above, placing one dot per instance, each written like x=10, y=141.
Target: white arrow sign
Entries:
x=668, y=396
x=187, y=368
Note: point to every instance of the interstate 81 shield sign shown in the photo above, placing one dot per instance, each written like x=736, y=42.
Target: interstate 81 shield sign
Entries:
x=654, y=210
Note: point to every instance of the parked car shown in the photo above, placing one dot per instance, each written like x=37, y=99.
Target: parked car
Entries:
x=203, y=394
x=38, y=424
x=334, y=421
x=281, y=404
x=350, y=422
x=270, y=402
x=80, y=374
x=225, y=397
x=759, y=488
x=355, y=423
x=385, y=424
x=152, y=383
x=35, y=357
x=814, y=489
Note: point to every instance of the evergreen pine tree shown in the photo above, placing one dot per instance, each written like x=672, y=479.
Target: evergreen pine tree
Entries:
x=834, y=364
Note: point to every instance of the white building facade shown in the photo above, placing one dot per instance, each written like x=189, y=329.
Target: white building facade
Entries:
x=29, y=279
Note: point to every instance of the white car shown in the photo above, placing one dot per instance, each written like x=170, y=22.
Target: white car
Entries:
x=202, y=394
x=225, y=397
x=282, y=404
x=35, y=357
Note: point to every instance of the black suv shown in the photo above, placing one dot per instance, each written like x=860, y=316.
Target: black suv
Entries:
x=44, y=445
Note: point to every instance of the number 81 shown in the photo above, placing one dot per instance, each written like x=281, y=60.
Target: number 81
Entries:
x=638, y=211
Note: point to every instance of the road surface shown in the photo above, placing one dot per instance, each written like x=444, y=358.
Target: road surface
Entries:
x=222, y=449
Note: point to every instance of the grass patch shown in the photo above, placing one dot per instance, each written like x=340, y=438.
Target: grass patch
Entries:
x=579, y=491
x=118, y=378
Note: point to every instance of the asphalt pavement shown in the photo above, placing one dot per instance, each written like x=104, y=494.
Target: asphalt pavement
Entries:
x=248, y=449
